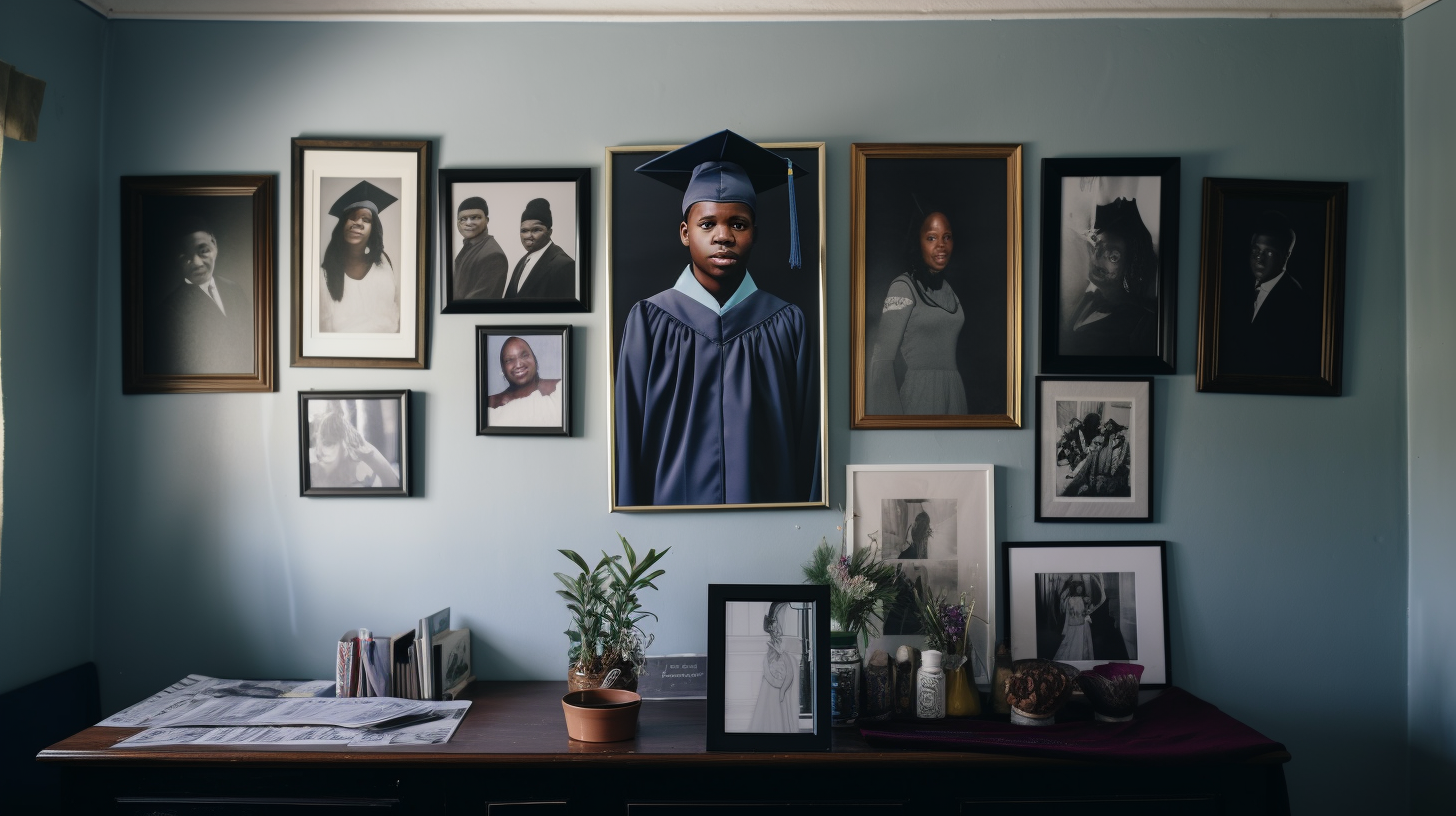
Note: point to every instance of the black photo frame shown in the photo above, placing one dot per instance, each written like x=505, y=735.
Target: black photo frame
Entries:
x=483, y=288
x=1109, y=309
x=331, y=459
x=550, y=353
x=1294, y=341
x=733, y=611
x=1080, y=476
x=1129, y=623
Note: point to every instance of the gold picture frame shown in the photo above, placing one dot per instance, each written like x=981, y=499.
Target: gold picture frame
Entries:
x=895, y=189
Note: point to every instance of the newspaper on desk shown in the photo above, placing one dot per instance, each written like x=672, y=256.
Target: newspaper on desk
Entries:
x=195, y=690
x=433, y=732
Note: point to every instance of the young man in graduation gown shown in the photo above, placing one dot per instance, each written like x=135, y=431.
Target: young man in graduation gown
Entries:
x=715, y=391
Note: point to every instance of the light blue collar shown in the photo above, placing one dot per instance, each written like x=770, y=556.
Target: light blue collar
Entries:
x=688, y=285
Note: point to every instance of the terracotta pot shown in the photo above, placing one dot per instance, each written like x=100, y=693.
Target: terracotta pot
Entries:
x=601, y=715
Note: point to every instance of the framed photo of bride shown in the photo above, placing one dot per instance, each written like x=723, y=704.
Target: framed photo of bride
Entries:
x=768, y=667
x=360, y=220
x=1089, y=603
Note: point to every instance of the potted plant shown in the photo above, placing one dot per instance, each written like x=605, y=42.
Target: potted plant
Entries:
x=605, y=634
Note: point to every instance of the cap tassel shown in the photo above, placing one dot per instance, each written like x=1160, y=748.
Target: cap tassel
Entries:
x=796, y=260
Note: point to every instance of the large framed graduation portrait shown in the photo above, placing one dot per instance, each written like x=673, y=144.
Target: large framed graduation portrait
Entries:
x=718, y=332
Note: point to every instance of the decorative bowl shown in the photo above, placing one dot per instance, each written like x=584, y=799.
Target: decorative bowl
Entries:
x=601, y=715
x=1112, y=689
x=1037, y=689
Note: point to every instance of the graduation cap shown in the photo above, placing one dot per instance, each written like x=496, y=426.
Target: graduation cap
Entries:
x=726, y=167
x=364, y=195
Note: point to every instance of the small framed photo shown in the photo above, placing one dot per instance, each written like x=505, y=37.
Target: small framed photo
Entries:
x=1109, y=265
x=937, y=524
x=353, y=443
x=515, y=240
x=360, y=216
x=935, y=286
x=197, y=284
x=768, y=667
x=1094, y=458
x=1089, y=603
x=522, y=380
x=1271, y=300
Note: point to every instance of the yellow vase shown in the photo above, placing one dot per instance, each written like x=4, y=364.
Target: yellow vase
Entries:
x=962, y=698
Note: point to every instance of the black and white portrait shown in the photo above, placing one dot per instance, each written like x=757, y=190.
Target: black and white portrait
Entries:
x=354, y=443
x=522, y=381
x=768, y=668
x=1086, y=616
x=359, y=279
x=1093, y=448
x=1108, y=284
x=918, y=528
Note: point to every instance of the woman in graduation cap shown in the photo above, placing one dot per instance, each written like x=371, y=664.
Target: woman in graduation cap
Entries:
x=359, y=290
x=716, y=389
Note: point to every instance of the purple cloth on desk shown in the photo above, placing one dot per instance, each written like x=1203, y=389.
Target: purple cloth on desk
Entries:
x=1173, y=728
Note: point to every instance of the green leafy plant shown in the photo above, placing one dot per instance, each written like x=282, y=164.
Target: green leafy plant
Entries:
x=606, y=611
x=861, y=587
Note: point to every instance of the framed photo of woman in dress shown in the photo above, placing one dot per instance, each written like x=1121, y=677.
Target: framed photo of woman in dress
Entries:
x=935, y=295
x=1094, y=457
x=522, y=380
x=1089, y=603
x=360, y=217
x=1109, y=265
x=354, y=443
x=768, y=667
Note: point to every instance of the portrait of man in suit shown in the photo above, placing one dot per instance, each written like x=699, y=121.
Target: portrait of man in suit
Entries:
x=1271, y=314
x=203, y=321
x=545, y=271
x=480, y=266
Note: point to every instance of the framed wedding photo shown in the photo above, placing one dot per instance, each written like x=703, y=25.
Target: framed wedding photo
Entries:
x=522, y=380
x=1089, y=603
x=354, y=443
x=937, y=525
x=1094, y=449
x=515, y=240
x=768, y=667
x=197, y=305
x=360, y=240
x=1109, y=265
x=935, y=286
x=1271, y=300
x=717, y=404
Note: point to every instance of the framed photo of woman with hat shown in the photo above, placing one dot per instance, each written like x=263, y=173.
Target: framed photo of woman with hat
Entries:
x=359, y=249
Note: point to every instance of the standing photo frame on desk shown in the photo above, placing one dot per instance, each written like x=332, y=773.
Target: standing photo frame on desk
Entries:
x=768, y=667
x=354, y=443
x=523, y=380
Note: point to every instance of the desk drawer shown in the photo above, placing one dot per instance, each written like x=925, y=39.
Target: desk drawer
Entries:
x=240, y=805
x=1092, y=806
x=766, y=808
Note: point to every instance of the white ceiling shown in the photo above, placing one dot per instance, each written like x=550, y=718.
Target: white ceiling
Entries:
x=656, y=10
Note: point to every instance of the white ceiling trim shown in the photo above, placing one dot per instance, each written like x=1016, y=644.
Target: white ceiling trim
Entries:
x=745, y=10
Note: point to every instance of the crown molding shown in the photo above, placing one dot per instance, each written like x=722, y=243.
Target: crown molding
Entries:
x=745, y=10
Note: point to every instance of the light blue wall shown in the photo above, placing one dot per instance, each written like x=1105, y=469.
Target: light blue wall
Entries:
x=1430, y=206
x=1286, y=516
x=50, y=206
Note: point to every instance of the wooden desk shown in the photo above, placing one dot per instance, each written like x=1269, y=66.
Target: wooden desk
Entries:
x=511, y=756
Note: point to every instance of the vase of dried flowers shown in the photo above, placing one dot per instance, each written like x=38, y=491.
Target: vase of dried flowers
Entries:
x=860, y=588
x=607, y=644
x=947, y=630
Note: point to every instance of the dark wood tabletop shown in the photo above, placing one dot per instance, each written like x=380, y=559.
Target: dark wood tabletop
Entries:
x=522, y=723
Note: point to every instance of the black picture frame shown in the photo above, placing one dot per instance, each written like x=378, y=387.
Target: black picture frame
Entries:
x=173, y=340
x=1030, y=570
x=387, y=432
x=489, y=376
x=511, y=189
x=1091, y=486
x=720, y=737
x=1139, y=333
x=1299, y=349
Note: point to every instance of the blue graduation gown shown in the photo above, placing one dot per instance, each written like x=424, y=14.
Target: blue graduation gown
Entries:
x=716, y=409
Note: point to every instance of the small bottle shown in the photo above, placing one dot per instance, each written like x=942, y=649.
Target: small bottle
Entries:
x=903, y=678
x=930, y=687
x=998, y=680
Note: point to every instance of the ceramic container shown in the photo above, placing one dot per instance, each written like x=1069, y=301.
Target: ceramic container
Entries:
x=601, y=715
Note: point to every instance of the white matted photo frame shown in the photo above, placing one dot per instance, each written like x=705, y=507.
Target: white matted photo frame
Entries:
x=354, y=443
x=1088, y=603
x=937, y=524
x=360, y=220
x=523, y=380
x=1094, y=449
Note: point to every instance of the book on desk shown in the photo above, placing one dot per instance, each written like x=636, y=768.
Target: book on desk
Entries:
x=370, y=665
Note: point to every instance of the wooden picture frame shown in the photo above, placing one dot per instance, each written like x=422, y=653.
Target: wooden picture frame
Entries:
x=972, y=306
x=354, y=443
x=1101, y=476
x=645, y=256
x=746, y=706
x=479, y=282
x=1125, y=584
x=339, y=320
x=540, y=404
x=181, y=332
x=1109, y=265
x=1294, y=342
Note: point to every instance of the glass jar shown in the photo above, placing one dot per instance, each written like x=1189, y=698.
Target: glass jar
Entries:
x=844, y=678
